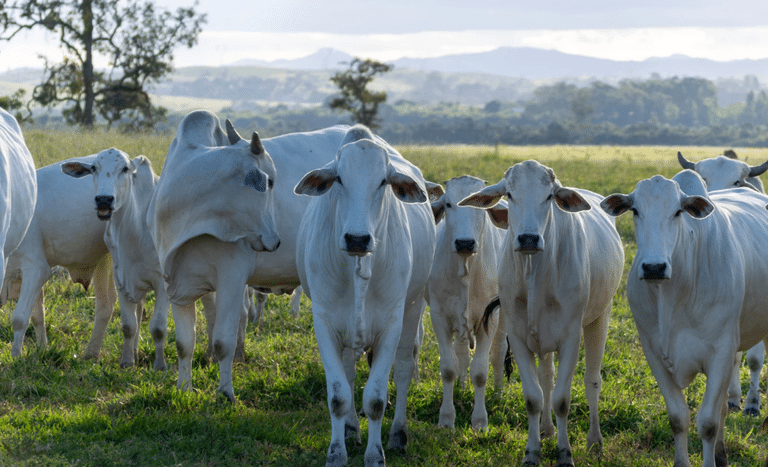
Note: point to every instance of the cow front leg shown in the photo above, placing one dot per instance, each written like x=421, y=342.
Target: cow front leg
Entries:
x=184, y=317
x=130, y=327
x=595, y=336
x=534, y=397
x=32, y=280
x=230, y=312
x=449, y=365
x=104, y=305
x=158, y=326
x=755, y=360
x=479, y=375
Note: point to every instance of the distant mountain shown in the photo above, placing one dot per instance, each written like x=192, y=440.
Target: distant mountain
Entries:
x=536, y=64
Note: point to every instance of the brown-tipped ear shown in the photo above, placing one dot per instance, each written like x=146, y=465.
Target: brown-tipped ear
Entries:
x=405, y=188
x=616, y=204
x=316, y=182
x=438, y=209
x=570, y=200
x=499, y=216
x=486, y=197
x=256, y=147
x=697, y=206
x=76, y=169
x=232, y=134
x=434, y=190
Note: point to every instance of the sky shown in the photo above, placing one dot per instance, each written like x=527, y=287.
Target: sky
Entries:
x=392, y=29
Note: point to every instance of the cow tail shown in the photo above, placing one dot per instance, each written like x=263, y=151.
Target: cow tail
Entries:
x=495, y=303
x=509, y=360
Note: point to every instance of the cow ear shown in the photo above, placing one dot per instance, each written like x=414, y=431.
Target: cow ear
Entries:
x=138, y=162
x=697, y=206
x=499, y=215
x=76, y=169
x=438, y=209
x=257, y=180
x=570, y=200
x=616, y=204
x=405, y=188
x=316, y=183
x=485, y=198
x=434, y=190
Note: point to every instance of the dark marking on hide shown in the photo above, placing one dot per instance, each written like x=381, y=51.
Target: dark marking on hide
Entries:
x=676, y=425
x=126, y=331
x=708, y=431
x=181, y=351
x=219, y=350
x=754, y=365
x=561, y=408
x=350, y=431
x=564, y=458
x=449, y=376
x=398, y=440
x=532, y=406
x=480, y=380
x=377, y=410
x=257, y=180
x=158, y=334
x=721, y=458
x=338, y=405
x=335, y=454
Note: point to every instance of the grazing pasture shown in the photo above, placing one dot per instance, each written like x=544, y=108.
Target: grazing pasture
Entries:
x=57, y=409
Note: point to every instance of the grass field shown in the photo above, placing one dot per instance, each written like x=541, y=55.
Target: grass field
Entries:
x=58, y=409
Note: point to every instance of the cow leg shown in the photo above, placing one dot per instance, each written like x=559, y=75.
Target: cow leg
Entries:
x=242, y=324
x=104, y=305
x=449, y=365
x=296, y=301
x=38, y=321
x=209, y=308
x=158, y=326
x=595, y=335
x=479, y=374
x=32, y=281
x=755, y=360
x=352, y=424
x=338, y=390
x=546, y=374
x=405, y=366
x=390, y=347
x=130, y=325
x=230, y=311
x=497, y=355
x=256, y=310
x=711, y=417
x=532, y=393
x=184, y=317
x=568, y=356
x=734, y=390
x=677, y=407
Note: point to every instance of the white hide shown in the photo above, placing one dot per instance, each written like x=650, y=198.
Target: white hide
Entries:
x=696, y=290
x=463, y=280
x=364, y=254
x=560, y=268
x=64, y=232
x=121, y=190
x=216, y=253
x=722, y=173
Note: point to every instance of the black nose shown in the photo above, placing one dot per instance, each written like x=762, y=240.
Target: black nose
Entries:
x=654, y=271
x=104, y=202
x=528, y=241
x=465, y=245
x=357, y=243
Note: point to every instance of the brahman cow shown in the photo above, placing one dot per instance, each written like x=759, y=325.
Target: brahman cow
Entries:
x=211, y=222
x=696, y=291
x=463, y=280
x=63, y=232
x=364, y=254
x=560, y=268
x=721, y=173
x=123, y=189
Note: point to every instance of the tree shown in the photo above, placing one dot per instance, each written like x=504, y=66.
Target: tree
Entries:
x=13, y=104
x=136, y=39
x=355, y=95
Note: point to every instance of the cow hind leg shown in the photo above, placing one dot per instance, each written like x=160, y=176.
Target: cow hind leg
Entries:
x=734, y=389
x=104, y=305
x=595, y=336
x=230, y=311
x=479, y=375
x=755, y=360
x=546, y=376
x=32, y=281
x=38, y=321
x=158, y=326
x=184, y=317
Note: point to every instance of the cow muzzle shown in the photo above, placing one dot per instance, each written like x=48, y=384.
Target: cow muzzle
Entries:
x=465, y=246
x=529, y=244
x=105, y=205
x=357, y=245
x=654, y=272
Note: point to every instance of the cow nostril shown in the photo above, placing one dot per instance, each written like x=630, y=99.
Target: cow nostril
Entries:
x=103, y=199
x=528, y=241
x=357, y=243
x=465, y=245
x=654, y=271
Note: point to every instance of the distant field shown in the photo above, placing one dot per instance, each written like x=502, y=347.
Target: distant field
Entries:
x=58, y=410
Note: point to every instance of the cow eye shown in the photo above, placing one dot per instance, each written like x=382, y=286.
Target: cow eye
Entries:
x=271, y=183
x=677, y=214
x=634, y=212
x=125, y=169
x=549, y=197
x=338, y=180
x=383, y=182
x=448, y=206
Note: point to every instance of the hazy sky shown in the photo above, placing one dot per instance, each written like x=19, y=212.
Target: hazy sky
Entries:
x=391, y=29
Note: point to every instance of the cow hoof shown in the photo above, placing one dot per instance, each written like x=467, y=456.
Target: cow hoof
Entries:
x=733, y=407
x=752, y=412
x=398, y=440
x=229, y=395
x=532, y=457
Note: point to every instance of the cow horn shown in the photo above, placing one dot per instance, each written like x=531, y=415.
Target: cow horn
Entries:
x=232, y=134
x=256, y=146
x=758, y=169
x=685, y=163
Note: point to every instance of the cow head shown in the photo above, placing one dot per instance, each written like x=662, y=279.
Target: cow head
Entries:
x=532, y=192
x=358, y=181
x=113, y=173
x=724, y=172
x=659, y=207
x=463, y=225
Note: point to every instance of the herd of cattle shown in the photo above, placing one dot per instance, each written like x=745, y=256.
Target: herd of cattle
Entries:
x=342, y=215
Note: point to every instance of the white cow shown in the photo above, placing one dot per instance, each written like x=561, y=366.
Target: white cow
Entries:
x=256, y=308
x=207, y=242
x=364, y=254
x=463, y=280
x=63, y=232
x=560, y=268
x=123, y=189
x=697, y=293
x=721, y=173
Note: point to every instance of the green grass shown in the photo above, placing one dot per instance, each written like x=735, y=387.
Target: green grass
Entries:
x=58, y=410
